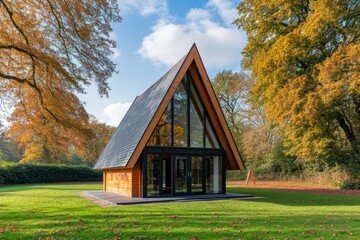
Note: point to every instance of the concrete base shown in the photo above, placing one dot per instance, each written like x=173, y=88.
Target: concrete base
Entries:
x=124, y=200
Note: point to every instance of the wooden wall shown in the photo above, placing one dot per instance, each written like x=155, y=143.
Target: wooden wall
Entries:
x=125, y=181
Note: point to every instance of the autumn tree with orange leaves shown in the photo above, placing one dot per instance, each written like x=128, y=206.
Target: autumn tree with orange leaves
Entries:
x=50, y=50
x=305, y=59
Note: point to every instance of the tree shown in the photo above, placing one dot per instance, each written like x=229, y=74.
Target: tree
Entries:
x=91, y=149
x=247, y=120
x=231, y=90
x=42, y=139
x=8, y=149
x=305, y=58
x=49, y=49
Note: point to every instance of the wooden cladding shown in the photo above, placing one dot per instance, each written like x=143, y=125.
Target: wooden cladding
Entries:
x=125, y=181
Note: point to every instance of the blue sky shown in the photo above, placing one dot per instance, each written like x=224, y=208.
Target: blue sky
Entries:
x=154, y=35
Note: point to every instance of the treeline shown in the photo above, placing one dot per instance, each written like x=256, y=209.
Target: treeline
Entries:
x=302, y=112
x=51, y=143
x=262, y=142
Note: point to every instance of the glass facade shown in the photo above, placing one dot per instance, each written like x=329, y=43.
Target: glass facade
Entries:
x=213, y=174
x=184, y=122
x=188, y=157
x=181, y=174
x=162, y=133
x=210, y=137
x=180, y=116
x=196, y=119
x=196, y=174
x=153, y=174
x=175, y=174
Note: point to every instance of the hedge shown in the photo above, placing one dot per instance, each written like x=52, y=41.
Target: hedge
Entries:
x=17, y=173
x=351, y=185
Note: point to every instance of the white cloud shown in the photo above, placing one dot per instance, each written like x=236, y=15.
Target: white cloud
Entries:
x=115, y=112
x=144, y=7
x=197, y=14
x=226, y=9
x=219, y=46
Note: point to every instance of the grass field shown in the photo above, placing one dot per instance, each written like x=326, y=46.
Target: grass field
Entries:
x=53, y=211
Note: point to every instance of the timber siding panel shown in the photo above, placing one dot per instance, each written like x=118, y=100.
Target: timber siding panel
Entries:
x=136, y=180
x=136, y=183
x=124, y=181
x=119, y=181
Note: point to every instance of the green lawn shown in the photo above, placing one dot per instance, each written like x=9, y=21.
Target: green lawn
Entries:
x=53, y=211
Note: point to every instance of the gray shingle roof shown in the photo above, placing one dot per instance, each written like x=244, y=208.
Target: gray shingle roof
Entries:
x=122, y=144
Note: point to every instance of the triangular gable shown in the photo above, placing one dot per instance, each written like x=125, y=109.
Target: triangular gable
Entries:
x=134, y=131
x=128, y=134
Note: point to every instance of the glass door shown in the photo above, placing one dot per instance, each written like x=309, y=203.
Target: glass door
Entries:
x=153, y=177
x=214, y=173
x=166, y=188
x=181, y=174
x=196, y=175
x=188, y=175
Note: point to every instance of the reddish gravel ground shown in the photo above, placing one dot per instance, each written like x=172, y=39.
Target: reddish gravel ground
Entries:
x=296, y=187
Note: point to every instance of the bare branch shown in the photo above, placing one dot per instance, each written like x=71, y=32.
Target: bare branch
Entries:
x=19, y=49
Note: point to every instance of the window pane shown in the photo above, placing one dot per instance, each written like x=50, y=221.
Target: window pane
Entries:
x=180, y=116
x=153, y=174
x=210, y=138
x=181, y=174
x=166, y=175
x=213, y=174
x=196, y=120
x=196, y=174
x=162, y=133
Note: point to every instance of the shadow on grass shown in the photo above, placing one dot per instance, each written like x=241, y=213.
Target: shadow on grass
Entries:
x=43, y=186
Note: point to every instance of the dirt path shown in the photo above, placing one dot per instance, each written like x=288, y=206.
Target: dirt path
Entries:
x=296, y=187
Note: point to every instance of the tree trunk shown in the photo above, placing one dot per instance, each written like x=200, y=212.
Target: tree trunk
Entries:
x=349, y=133
x=46, y=155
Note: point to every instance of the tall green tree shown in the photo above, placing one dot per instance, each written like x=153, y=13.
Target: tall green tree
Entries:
x=231, y=90
x=305, y=58
x=246, y=119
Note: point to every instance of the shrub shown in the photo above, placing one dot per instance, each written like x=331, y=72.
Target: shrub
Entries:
x=236, y=175
x=16, y=173
x=351, y=185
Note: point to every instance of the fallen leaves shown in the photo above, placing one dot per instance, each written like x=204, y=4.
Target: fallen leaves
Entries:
x=5, y=229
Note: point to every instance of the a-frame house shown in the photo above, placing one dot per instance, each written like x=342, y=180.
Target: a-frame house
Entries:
x=174, y=139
